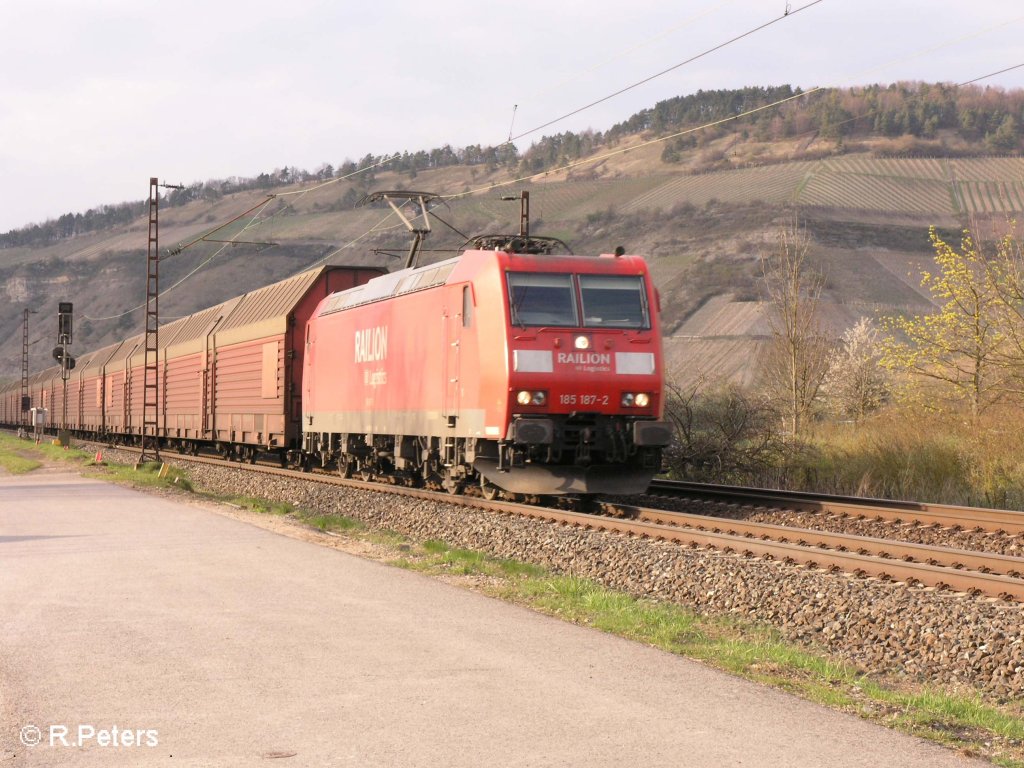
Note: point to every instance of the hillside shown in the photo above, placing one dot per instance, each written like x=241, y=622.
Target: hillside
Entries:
x=703, y=231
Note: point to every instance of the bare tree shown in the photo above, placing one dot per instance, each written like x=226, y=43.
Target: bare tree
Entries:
x=798, y=357
x=722, y=433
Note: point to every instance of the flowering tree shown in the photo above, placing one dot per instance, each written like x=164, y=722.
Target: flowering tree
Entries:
x=855, y=384
x=960, y=345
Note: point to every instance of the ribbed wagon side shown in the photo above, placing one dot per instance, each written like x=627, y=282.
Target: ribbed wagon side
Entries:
x=184, y=375
x=254, y=373
x=94, y=391
x=10, y=404
x=117, y=387
x=229, y=376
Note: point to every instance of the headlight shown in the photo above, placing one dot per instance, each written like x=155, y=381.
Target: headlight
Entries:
x=528, y=397
x=582, y=342
x=635, y=399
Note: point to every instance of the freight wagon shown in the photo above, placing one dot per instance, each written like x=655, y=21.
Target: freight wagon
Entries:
x=230, y=377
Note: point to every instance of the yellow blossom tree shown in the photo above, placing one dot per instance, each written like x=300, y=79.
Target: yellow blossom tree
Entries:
x=960, y=345
x=1006, y=271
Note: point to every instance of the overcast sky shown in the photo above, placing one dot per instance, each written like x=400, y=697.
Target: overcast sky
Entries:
x=96, y=96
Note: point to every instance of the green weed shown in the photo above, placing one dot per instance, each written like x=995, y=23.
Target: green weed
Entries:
x=335, y=523
x=18, y=465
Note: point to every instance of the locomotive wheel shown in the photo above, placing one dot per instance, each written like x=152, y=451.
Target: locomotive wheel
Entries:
x=346, y=467
x=488, y=490
x=453, y=486
x=366, y=475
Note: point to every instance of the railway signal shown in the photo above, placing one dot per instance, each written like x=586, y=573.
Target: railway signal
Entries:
x=65, y=311
x=64, y=317
x=66, y=361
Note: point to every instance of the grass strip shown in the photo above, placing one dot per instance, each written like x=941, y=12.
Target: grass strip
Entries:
x=17, y=464
x=148, y=475
x=21, y=456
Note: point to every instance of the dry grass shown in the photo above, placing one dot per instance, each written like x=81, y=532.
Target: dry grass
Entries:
x=910, y=455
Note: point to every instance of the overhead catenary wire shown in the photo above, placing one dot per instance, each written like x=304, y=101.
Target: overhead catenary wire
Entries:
x=276, y=196
x=386, y=158
x=375, y=228
x=194, y=269
x=661, y=139
x=337, y=179
x=649, y=78
x=300, y=193
x=990, y=74
x=623, y=53
x=870, y=112
x=259, y=208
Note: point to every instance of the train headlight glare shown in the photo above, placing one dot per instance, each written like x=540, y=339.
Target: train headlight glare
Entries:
x=581, y=342
x=642, y=400
x=627, y=399
x=531, y=397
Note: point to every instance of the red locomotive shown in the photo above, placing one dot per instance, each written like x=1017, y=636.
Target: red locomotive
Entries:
x=532, y=373
x=506, y=368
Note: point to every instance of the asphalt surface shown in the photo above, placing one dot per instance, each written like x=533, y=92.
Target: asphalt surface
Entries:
x=217, y=643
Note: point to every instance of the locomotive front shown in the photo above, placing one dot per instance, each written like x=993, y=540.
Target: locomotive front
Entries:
x=585, y=377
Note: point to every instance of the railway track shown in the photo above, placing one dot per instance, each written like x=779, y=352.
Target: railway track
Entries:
x=949, y=516
x=972, y=572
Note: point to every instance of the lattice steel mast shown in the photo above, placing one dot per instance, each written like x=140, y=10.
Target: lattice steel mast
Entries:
x=151, y=371
x=25, y=403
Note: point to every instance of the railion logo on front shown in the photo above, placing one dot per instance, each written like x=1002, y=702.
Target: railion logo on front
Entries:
x=584, y=358
x=371, y=344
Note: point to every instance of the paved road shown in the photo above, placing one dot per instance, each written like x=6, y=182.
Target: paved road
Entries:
x=226, y=644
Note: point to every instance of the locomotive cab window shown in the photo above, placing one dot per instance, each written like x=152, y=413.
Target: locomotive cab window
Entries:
x=541, y=299
x=613, y=301
x=467, y=307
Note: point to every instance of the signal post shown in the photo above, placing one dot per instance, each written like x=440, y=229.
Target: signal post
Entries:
x=67, y=363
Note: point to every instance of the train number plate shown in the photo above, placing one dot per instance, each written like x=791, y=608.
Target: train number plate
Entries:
x=583, y=400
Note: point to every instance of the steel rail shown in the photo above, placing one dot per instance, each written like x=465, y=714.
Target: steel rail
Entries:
x=912, y=573
x=886, y=548
x=946, y=515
